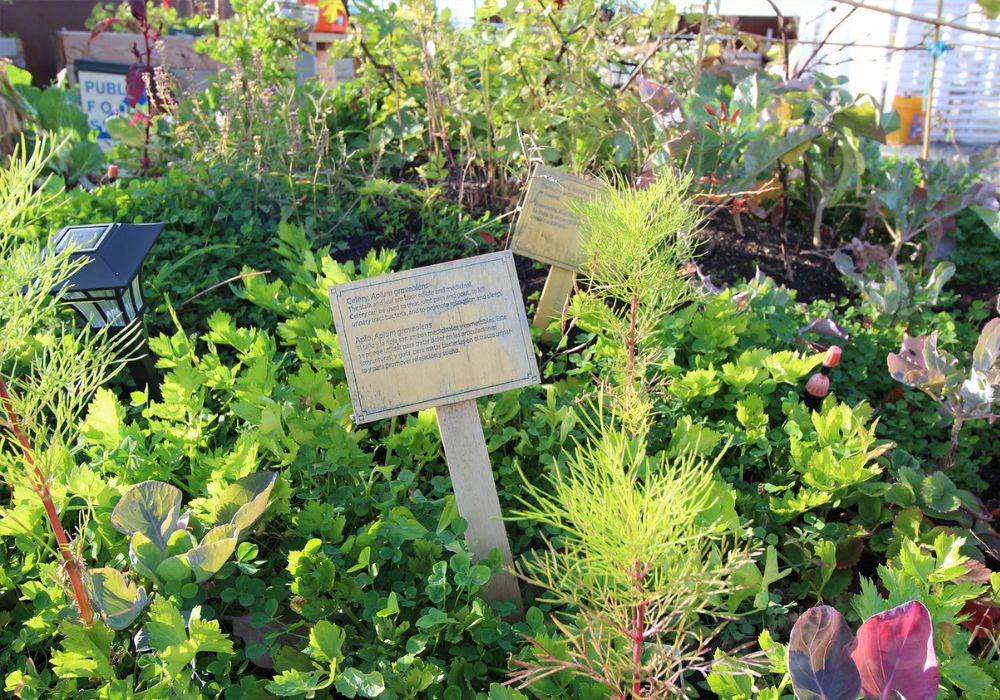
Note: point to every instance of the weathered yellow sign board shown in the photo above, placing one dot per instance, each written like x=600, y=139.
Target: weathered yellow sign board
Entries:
x=548, y=228
x=441, y=336
x=433, y=336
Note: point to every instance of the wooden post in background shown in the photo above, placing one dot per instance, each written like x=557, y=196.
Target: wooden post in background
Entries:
x=556, y=291
x=476, y=494
x=549, y=229
x=929, y=106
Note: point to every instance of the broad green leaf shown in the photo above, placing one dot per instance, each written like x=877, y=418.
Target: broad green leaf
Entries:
x=104, y=423
x=763, y=154
x=214, y=550
x=990, y=7
x=165, y=627
x=174, y=569
x=940, y=493
x=392, y=605
x=85, y=652
x=145, y=556
x=862, y=118
x=118, y=601
x=151, y=508
x=295, y=684
x=121, y=129
x=244, y=501
x=987, y=352
x=353, y=683
x=326, y=641
x=17, y=76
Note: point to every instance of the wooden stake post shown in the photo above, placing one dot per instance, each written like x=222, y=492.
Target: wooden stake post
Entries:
x=550, y=230
x=929, y=105
x=439, y=337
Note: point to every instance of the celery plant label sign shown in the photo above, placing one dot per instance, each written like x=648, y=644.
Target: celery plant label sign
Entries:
x=548, y=228
x=441, y=336
x=433, y=336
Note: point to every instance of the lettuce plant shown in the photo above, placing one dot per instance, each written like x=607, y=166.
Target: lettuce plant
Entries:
x=962, y=393
x=908, y=209
x=161, y=546
x=892, y=655
x=890, y=291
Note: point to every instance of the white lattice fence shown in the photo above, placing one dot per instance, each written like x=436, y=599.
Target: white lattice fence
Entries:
x=967, y=80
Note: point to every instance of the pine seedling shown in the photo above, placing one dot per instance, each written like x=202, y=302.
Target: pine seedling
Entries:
x=637, y=241
x=643, y=564
x=46, y=377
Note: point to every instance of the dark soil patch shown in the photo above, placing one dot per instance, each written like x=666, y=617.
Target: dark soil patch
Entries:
x=969, y=293
x=729, y=256
x=531, y=274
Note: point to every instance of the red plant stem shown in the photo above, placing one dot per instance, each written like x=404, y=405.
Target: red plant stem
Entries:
x=638, y=631
x=74, y=569
x=630, y=370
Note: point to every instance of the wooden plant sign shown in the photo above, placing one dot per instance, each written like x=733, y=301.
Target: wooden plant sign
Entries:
x=549, y=230
x=441, y=336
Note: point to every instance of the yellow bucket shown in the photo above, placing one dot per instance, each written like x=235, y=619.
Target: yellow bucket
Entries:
x=911, y=119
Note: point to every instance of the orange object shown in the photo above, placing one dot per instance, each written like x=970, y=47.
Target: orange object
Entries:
x=832, y=357
x=337, y=25
x=910, y=109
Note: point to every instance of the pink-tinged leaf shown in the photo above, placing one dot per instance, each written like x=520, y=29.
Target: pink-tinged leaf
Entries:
x=819, y=657
x=895, y=654
x=828, y=327
x=986, y=356
x=983, y=617
x=910, y=365
x=658, y=98
x=138, y=8
x=646, y=177
x=135, y=84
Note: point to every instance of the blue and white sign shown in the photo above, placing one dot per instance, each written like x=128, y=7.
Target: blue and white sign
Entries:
x=102, y=92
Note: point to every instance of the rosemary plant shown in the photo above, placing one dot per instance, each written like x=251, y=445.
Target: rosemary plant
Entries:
x=47, y=376
x=637, y=243
x=643, y=564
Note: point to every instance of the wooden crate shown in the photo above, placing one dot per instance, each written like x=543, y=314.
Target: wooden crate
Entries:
x=176, y=53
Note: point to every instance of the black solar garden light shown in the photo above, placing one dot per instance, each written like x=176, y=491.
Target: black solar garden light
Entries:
x=106, y=291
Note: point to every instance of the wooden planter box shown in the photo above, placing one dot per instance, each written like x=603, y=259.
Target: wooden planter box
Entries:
x=177, y=54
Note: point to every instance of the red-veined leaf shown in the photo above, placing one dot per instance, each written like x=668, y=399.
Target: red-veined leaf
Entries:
x=819, y=657
x=895, y=654
x=135, y=84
